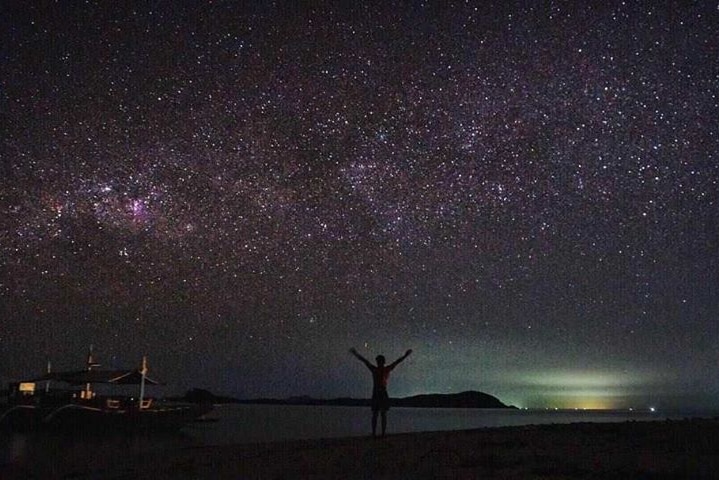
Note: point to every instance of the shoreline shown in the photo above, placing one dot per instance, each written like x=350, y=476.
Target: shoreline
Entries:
x=635, y=449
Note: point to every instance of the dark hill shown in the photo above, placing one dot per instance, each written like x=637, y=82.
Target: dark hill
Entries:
x=470, y=399
x=200, y=395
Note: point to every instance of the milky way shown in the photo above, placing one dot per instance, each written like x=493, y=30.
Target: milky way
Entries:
x=527, y=196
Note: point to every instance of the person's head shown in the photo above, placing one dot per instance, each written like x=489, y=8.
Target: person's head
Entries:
x=380, y=360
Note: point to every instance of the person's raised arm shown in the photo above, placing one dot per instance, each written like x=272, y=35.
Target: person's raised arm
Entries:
x=400, y=359
x=361, y=358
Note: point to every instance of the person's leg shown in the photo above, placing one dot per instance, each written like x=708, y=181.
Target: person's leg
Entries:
x=374, y=423
x=384, y=421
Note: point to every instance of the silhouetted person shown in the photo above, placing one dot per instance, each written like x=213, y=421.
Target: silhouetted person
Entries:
x=380, y=377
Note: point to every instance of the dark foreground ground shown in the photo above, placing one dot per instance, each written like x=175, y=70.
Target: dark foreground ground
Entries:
x=632, y=450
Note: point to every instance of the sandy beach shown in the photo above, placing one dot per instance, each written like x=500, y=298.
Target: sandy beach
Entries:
x=666, y=449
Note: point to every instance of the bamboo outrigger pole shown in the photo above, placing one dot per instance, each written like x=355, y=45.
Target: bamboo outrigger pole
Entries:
x=87, y=394
x=47, y=383
x=143, y=372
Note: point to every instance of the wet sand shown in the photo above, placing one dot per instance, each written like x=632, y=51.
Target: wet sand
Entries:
x=650, y=450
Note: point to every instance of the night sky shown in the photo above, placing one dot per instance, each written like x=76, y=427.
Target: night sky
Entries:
x=527, y=195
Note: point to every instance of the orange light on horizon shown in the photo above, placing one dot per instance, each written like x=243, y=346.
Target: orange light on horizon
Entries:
x=595, y=404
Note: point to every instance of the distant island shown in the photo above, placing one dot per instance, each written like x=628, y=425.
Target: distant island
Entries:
x=469, y=399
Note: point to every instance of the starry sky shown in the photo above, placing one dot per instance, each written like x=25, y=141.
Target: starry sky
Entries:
x=525, y=193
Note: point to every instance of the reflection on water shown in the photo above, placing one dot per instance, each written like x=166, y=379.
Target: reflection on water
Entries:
x=261, y=423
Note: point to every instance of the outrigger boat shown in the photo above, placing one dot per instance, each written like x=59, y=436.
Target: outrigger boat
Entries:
x=71, y=401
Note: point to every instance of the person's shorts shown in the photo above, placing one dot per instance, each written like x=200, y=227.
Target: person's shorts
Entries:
x=380, y=400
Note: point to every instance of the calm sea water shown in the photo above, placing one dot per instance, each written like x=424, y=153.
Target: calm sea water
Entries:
x=261, y=423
